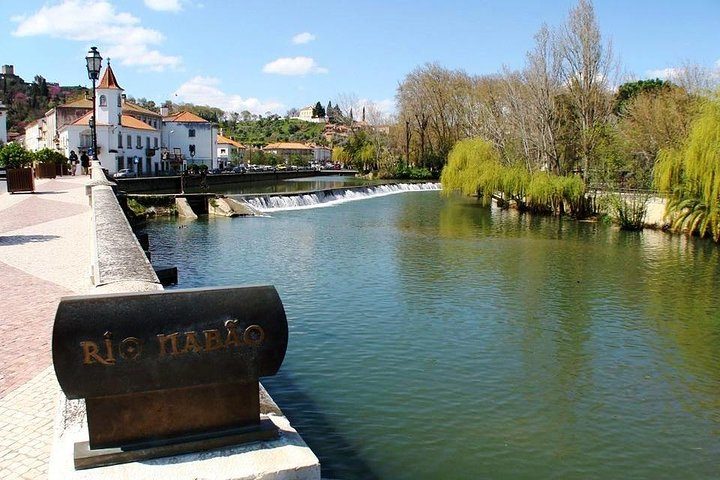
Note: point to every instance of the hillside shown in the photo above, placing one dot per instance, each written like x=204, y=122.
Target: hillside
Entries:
x=27, y=101
x=274, y=129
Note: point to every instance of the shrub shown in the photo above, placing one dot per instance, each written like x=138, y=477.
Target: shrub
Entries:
x=13, y=155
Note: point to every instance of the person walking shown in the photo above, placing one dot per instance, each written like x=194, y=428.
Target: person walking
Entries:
x=73, y=162
x=85, y=163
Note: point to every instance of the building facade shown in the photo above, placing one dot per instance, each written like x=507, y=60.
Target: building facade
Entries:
x=229, y=152
x=128, y=135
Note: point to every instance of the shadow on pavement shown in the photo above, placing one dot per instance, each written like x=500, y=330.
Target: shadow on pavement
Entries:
x=21, y=239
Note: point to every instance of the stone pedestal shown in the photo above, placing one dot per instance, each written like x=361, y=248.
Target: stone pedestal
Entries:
x=285, y=458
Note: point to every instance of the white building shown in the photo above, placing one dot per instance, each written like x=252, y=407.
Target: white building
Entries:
x=229, y=151
x=322, y=154
x=128, y=135
x=190, y=139
x=123, y=140
x=306, y=115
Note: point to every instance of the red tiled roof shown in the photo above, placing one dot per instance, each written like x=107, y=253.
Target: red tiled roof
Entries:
x=131, y=107
x=287, y=146
x=108, y=80
x=184, y=117
x=132, y=122
x=221, y=139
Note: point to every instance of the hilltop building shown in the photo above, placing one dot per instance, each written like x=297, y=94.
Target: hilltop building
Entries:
x=128, y=135
x=306, y=115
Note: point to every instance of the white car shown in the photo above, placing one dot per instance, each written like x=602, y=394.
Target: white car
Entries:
x=125, y=173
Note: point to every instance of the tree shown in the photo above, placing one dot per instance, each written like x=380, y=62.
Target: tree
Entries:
x=318, y=111
x=588, y=68
x=690, y=174
x=629, y=90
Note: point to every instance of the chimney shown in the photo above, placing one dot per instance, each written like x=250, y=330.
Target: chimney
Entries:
x=164, y=111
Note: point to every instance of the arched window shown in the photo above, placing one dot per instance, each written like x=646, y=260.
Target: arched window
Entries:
x=103, y=101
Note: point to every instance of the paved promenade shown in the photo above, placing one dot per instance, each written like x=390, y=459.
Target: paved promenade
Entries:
x=44, y=254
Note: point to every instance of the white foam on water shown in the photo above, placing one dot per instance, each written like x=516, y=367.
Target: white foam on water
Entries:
x=277, y=203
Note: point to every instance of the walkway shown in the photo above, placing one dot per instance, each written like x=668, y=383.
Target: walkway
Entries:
x=44, y=255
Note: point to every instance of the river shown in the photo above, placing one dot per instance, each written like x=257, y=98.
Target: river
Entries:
x=434, y=338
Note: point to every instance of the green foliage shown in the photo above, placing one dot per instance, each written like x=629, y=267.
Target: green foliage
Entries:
x=47, y=155
x=691, y=175
x=474, y=168
x=627, y=209
x=274, y=129
x=412, y=173
x=318, y=111
x=627, y=91
x=13, y=155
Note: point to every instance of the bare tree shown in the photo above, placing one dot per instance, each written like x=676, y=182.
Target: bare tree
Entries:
x=588, y=70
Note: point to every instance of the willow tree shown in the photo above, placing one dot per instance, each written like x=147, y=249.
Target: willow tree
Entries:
x=475, y=168
x=691, y=176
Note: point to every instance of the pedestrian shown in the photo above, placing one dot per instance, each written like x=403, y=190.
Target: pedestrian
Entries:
x=73, y=162
x=85, y=163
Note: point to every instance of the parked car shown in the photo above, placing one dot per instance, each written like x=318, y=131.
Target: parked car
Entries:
x=215, y=171
x=125, y=173
x=239, y=170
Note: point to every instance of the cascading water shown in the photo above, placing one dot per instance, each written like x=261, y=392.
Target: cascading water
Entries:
x=327, y=198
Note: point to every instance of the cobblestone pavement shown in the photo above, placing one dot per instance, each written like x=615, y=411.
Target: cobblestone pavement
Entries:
x=44, y=255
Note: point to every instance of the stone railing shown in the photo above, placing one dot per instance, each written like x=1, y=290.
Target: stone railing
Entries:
x=118, y=264
x=118, y=261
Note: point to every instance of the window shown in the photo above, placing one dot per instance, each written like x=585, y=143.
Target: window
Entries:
x=120, y=140
x=147, y=142
x=156, y=143
x=119, y=101
x=192, y=150
x=120, y=163
x=223, y=151
x=103, y=101
x=191, y=132
x=119, y=119
x=139, y=142
x=129, y=141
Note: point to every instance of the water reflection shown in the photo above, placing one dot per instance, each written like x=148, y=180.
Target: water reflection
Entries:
x=436, y=338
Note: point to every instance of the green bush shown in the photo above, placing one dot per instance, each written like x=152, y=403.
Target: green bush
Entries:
x=13, y=155
x=47, y=155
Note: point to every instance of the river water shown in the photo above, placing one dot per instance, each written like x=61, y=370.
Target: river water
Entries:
x=433, y=338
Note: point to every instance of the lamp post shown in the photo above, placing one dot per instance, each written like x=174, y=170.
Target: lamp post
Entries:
x=94, y=63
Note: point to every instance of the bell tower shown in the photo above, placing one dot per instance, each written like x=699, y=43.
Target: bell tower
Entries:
x=108, y=98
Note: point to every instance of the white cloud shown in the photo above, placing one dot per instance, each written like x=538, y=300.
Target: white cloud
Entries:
x=294, y=66
x=164, y=5
x=204, y=91
x=118, y=34
x=304, y=37
x=666, y=73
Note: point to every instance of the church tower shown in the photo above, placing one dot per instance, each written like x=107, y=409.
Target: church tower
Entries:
x=108, y=98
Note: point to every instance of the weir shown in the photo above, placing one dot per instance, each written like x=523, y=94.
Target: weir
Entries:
x=274, y=202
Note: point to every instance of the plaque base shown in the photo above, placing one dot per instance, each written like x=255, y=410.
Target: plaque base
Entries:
x=85, y=457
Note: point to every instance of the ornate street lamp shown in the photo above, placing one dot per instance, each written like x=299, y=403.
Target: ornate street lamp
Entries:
x=94, y=63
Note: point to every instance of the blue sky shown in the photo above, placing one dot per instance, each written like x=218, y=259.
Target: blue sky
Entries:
x=241, y=55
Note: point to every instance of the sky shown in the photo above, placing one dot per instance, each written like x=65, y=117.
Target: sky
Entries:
x=273, y=55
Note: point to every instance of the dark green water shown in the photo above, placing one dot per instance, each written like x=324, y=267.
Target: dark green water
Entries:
x=437, y=339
